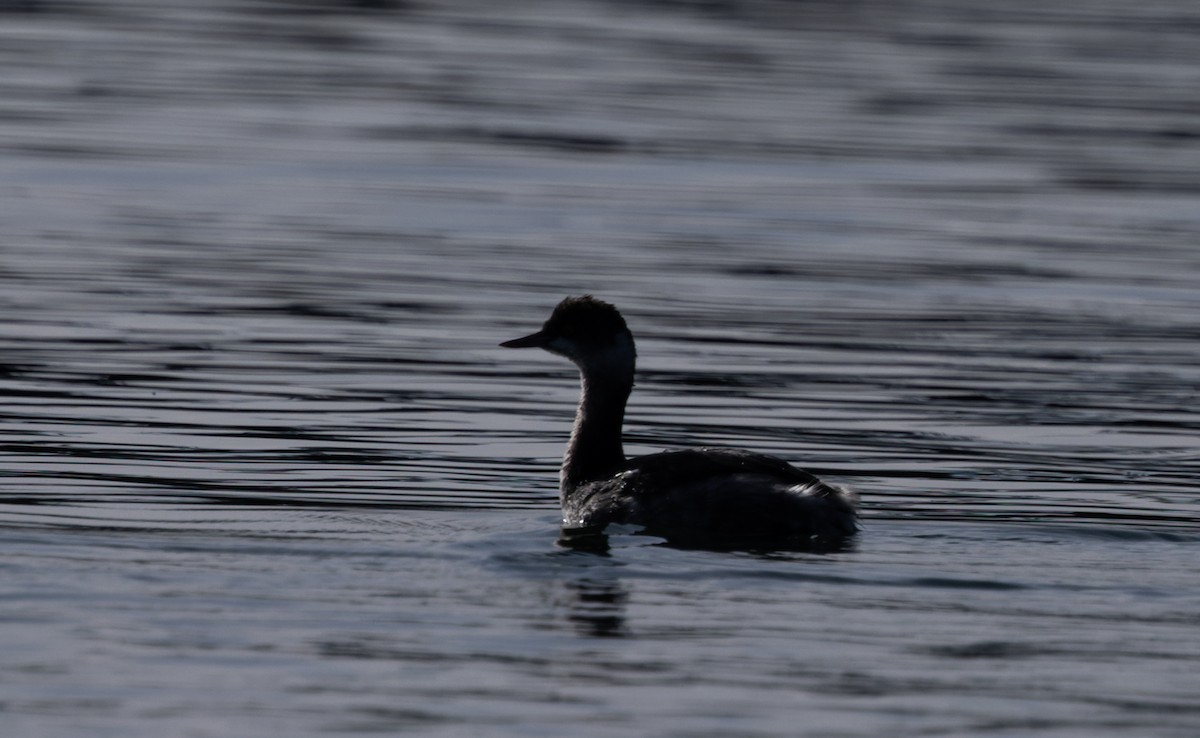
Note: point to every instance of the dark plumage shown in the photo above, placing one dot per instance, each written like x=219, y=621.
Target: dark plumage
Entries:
x=710, y=497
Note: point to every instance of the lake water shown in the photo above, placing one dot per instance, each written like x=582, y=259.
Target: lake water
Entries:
x=265, y=471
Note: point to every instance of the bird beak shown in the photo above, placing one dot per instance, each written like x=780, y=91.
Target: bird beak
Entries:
x=534, y=340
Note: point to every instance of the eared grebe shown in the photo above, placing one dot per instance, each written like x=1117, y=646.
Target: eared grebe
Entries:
x=711, y=497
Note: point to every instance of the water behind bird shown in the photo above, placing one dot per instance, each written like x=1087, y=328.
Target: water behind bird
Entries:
x=265, y=471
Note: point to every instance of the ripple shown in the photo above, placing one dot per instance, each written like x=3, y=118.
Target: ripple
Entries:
x=258, y=447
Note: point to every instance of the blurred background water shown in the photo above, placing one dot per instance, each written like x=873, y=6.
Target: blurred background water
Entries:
x=264, y=471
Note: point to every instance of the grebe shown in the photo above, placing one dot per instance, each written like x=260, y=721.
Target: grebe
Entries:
x=709, y=497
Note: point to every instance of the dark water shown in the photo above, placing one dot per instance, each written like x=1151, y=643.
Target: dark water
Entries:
x=265, y=472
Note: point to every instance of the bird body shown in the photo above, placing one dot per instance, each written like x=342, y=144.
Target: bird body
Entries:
x=713, y=497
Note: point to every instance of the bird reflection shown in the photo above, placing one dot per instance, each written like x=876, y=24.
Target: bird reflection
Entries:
x=591, y=540
x=597, y=607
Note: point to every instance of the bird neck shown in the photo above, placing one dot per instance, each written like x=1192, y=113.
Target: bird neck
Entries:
x=595, y=449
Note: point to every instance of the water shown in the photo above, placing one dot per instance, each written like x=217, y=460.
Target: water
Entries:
x=265, y=471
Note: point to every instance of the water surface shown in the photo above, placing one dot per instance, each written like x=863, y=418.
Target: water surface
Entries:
x=266, y=472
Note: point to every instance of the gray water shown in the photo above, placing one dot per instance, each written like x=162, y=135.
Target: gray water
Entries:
x=265, y=472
